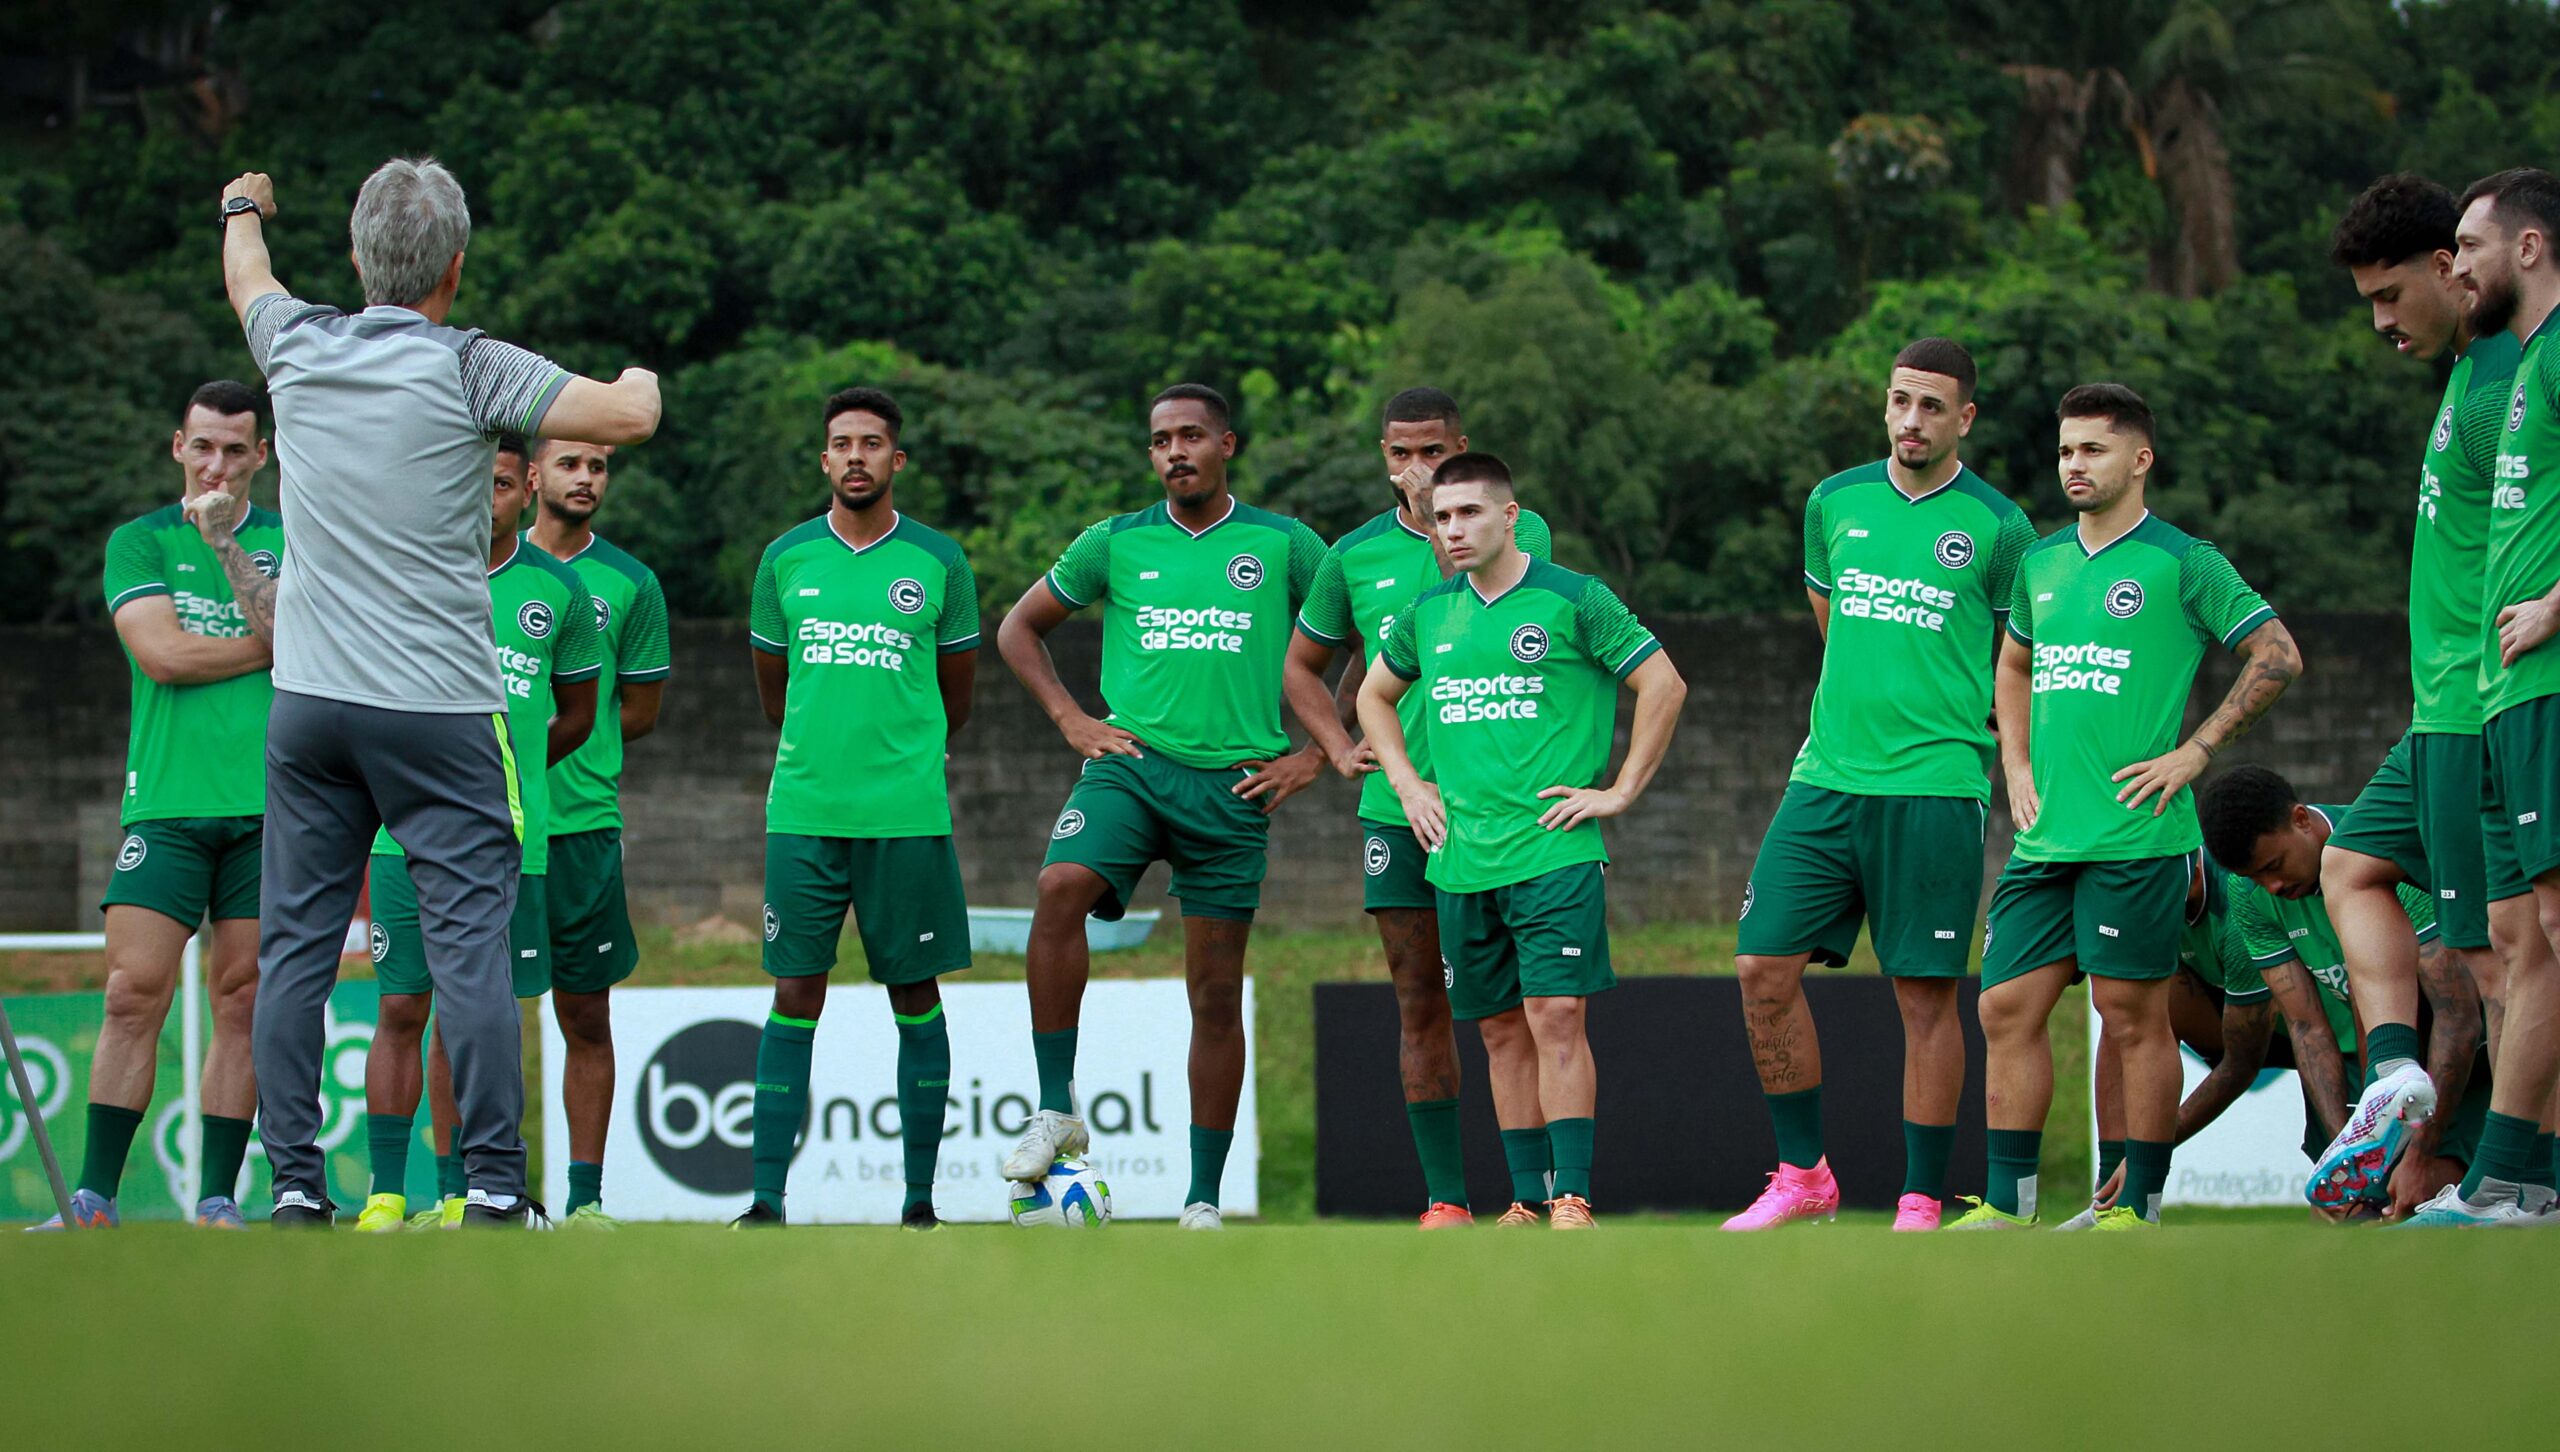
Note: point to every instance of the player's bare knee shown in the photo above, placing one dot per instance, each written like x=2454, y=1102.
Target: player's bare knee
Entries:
x=400, y=1017
x=586, y=1019
x=233, y=1004
x=1554, y=1020
x=2009, y=1018
x=1217, y=1004
x=1068, y=887
x=138, y=996
x=2343, y=872
x=1765, y=978
x=801, y=997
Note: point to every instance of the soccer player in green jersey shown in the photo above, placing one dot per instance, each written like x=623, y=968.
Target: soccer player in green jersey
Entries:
x=548, y=658
x=1909, y=564
x=591, y=941
x=2110, y=620
x=1197, y=594
x=865, y=634
x=1520, y=662
x=2506, y=261
x=2419, y=820
x=1370, y=576
x=194, y=801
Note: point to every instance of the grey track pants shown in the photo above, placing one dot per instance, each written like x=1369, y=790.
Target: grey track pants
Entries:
x=445, y=785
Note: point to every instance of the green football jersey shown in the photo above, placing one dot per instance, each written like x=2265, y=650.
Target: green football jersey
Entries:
x=2116, y=637
x=2450, y=549
x=1917, y=588
x=1195, y=626
x=2524, y=523
x=2284, y=930
x=546, y=627
x=1367, y=579
x=864, y=632
x=1522, y=695
x=631, y=621
x=2211, y=946
x=193, y=751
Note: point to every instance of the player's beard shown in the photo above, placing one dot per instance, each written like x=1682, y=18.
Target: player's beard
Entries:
x=1190, y=490
x=559, y=507
x=857, y=495
x=2101, y=497
x=2493, y=304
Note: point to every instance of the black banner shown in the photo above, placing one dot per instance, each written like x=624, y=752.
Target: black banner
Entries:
x=1681, y=1122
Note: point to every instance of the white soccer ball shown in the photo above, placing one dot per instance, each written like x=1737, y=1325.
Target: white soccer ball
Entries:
x=1070, y=1195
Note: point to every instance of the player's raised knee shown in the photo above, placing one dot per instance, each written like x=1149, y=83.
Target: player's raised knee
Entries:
x=1767, y=977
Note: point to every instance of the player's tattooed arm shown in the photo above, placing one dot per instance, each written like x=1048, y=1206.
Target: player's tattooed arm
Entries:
x=2270, y=661
x=2246, y=1030
x=2315, y=1050
x=216, y=514
x=2453, y=1039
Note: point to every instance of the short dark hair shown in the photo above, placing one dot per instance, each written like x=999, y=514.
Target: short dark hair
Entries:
x=223, y=397
x=1199, y=393
x=1472, y=467
x=1942, y=356
x=2120, y=406
x=864, y=400
x=2239, y=807
x=2400, y=216
x=2525, y=195
x=515, y=444
x=1422, y=405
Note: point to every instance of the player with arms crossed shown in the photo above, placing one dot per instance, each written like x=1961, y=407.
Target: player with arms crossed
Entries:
x=1909, y=564
x=1370, y=576
x=1197, y=595
x=549, y=657
x=865, y=628
x=194, y=803
x=592, y=947
x=1520, y=662
x=2418, y=822
x=2110, y=621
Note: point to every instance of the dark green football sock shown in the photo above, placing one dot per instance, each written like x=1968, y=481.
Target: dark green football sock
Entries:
x=452, y=1180
x=2015, y=1153
x=2538, y=1169
x=1569, y=1141
x=782, y=1101
x=924, y=1090
x=224, y=1146
x=2146, y=1176
x=2387, y=1046
x=1055, y=1054
x=1526, y=1152
x=1926, y=1148
x=111, y=1132
x=586, y=1187
x=2506, y=1152
x=1208, y=1164
x=386, y=1139
x=2110, y=1155
x=1798, y=1117
x=1435, y=1137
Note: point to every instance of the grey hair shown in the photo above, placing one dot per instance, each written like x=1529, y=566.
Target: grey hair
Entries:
x=410, y=222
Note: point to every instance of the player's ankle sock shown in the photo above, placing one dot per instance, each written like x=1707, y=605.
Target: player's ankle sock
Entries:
x=386, y=1139
x=924, y=1086
x=224, y=1145
x=1569, y=1141
x=1798, y=1118
x=782, y=1097
x=1055, y=1054
x=111, y=1131
x=2554, y=1181
x=2506, y=1152
x=1208, y=1164
x=586, y=1187
x=1526, y=1152
x=452, y=1180
x=2539, y=1171
x=2015, y=1154
x=2386, y=1047
x=2146, y=1176
x=1926, y=1148
x=1435, y=1137
x=2110, y=1155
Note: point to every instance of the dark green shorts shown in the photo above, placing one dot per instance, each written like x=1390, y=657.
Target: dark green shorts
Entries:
x=904, y=893
x=189, y=868
x=1911, y=867
x=1130, y=811
x=1391, y=864
x=592, y=948
x=2112, y=919
x=400, y=949
x=2520, y=795
x=2421, y=812
x=1547, y=937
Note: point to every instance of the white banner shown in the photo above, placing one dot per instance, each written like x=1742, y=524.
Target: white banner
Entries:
x=680, y=1146
x=2250, y=1155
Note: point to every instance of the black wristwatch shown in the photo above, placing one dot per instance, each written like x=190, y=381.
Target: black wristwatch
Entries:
x=234, y=208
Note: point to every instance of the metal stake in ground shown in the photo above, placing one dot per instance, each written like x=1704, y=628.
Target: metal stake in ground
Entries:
x=35, y=1120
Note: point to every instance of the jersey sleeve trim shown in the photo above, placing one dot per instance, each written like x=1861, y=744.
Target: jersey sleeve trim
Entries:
x=769, y=647
x=136, y=592
x=583, y=673
x=1820, y=587
x=1400, y=672
x=1637, y=657
x=1062, y=592
x=656, y=673
x=2251, y=621
x=2009, y=623
x=2429, y=933
x=2248, y=995
x=2274, y=958
x=1318, y=636
x=966, y=642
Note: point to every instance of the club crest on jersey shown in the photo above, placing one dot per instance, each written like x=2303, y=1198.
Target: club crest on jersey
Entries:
x=2515, y=411
x=1529, y=644
x=2124, y=599
x=1245, y=572
x=1375, y=855
x=534, y=620
x=267, y=563
x=377, y=942
x=907, y=596
x=1069, y=823
x=772, y=923
x=130, y=855
x=2444, y=430
x=604, y=613
x=1955, y=549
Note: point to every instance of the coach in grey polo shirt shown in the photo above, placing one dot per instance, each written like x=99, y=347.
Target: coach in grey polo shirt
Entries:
x=389, y=709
